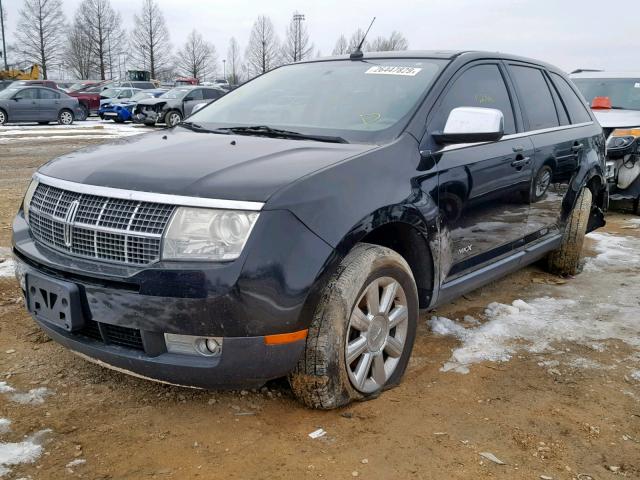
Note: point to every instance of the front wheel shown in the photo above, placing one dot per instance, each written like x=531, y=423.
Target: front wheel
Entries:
x=65, y=117
x=3, y=117
x=172, y=118
x=566, y=259
x=362, y=333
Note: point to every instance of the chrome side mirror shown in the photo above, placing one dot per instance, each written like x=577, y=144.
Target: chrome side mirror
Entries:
x=472, y=124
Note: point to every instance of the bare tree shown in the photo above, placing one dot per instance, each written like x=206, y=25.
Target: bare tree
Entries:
x=197, y=58
x=3, y=46
x=150, y=46
x=78, y=55
x=341, y=46
x=296, y=44
x=396, y=41
x=263, y=51
x=355, y=40
x=234, y=63
x=40, y=33
x=102, y=25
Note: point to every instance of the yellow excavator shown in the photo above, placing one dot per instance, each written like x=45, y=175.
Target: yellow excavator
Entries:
x=32, y=73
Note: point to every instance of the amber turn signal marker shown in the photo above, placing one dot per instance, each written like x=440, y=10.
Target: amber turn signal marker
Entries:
x=626, y=132
x=283, y=338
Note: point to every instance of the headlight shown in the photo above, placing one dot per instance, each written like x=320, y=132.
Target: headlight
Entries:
x=623, y=141
x=206, y=234
x=26, y=203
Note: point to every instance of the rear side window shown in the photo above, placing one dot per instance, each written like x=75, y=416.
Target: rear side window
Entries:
x=577, y=111
x=211, y=94
x=479, y=86
x=535, y=97
x=48, y=94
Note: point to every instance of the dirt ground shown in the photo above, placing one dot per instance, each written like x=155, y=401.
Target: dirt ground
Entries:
x=565, y=422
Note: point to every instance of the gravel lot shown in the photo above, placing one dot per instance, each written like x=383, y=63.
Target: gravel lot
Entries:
x=540, y=373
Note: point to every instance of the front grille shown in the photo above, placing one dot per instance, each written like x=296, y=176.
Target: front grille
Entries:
x=109, y=229
x=112, y=334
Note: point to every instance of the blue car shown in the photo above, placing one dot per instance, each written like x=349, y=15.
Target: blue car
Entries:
x=122, y=111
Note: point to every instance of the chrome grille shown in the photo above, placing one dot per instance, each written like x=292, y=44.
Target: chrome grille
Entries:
x=109, y=229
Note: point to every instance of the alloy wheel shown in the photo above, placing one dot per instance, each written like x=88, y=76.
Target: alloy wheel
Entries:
x=174, y=119
x=543, y=181
x=376, y=334
x=66, y=118
x=3, y=118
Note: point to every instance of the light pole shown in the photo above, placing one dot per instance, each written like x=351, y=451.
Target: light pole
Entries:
x=4, y=48
x=297, y=51
x=224, y=69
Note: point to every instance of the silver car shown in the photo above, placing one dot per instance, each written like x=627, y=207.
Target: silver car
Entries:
x=37, y=104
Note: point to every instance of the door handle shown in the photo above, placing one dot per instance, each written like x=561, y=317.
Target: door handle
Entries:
x=520, y=162
x=577, y=147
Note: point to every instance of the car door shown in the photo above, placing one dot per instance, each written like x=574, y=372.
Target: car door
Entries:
x=49, y=104
x=480, y=186
x=25, y=107
x=191, y=100
x=560, y=129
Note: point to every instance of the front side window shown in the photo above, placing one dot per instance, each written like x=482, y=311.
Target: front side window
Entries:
x=572, y=103
x=479, y=86
x=211, y=93
x=195, y=95
x=535, y=97
x=624, y=93
x=28, y=93
x=366, y=101
x=176, y=93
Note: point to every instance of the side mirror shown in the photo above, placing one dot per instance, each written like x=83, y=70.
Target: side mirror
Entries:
x=188, y=99
x=15, y=99
x=472, y=124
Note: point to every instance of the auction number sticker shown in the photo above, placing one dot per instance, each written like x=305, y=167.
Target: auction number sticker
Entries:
x=402, y=71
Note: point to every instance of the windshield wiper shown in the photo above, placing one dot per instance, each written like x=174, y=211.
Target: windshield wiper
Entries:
x=276, y=132
x=196, y=127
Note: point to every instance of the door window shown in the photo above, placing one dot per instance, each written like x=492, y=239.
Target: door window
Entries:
x=195, y=95
x=479, y=86
x=577, y=111
x=535, y=97
x=28, y=93
x=212, y=94
x=48, y=94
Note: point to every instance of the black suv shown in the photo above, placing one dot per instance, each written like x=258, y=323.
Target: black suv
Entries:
x=298, y=230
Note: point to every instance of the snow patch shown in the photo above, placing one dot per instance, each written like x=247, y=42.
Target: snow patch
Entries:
x=5, y=425
x=7, y=264
x=35, y=396
x=614, y=252
x=76, y=462
x=27, y=451
x=6, y=388
x=636, y=375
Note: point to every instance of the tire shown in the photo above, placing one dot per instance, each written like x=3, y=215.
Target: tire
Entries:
x=43, y=123
x=566, y=260
x=3, y=117
x=541, y=183
x=65, y=117
x=118, y=120
x=172, y=118
x=84, y=112
x=324, y=378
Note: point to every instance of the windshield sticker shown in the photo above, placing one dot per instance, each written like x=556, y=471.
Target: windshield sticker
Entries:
x=402, y=71
x=637, y=85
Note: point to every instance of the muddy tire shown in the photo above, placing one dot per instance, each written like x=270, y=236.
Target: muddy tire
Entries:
x=566, y=260
x=358, y=346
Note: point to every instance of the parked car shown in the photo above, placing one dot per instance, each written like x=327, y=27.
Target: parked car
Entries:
x=122, y=111
x=110, y=95
x=5, y=83
x=615, y=101
x=82, y=84
x=35, y=83
x=64, y=84
x=298, y=231
x=89, y=98
x=37, y=104
x=174, y=105
x=185, y=81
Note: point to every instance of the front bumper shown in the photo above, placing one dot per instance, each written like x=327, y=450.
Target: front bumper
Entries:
x=148, y=117
x=271, y=289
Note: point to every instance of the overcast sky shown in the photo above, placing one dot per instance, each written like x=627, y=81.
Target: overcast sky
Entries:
x=567, y=33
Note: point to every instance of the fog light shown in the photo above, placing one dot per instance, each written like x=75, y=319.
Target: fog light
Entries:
x=193, y=345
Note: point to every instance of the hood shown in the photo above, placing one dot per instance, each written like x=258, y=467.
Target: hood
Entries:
x=615, y=118
x=182, y=162
x=155, y=101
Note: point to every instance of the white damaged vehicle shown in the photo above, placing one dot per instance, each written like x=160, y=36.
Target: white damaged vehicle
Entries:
x=615, y=100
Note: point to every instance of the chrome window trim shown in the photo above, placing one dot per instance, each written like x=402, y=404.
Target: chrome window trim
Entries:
x=516, y=135
x=178, y=200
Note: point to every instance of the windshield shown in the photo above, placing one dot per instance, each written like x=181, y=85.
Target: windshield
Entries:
x=623, y=92
x=110, y=92
x=176, y=93
x=368, y=101
x=8, y=92
x=141, y=96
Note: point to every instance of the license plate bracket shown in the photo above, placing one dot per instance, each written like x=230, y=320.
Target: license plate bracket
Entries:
x=54, y=301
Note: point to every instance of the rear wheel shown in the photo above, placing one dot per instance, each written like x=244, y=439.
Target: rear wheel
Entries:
x=362, y=333
x=541, y=183
x=566, y=260
x=3, y=117
x=65, y=117
x=172, y=118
